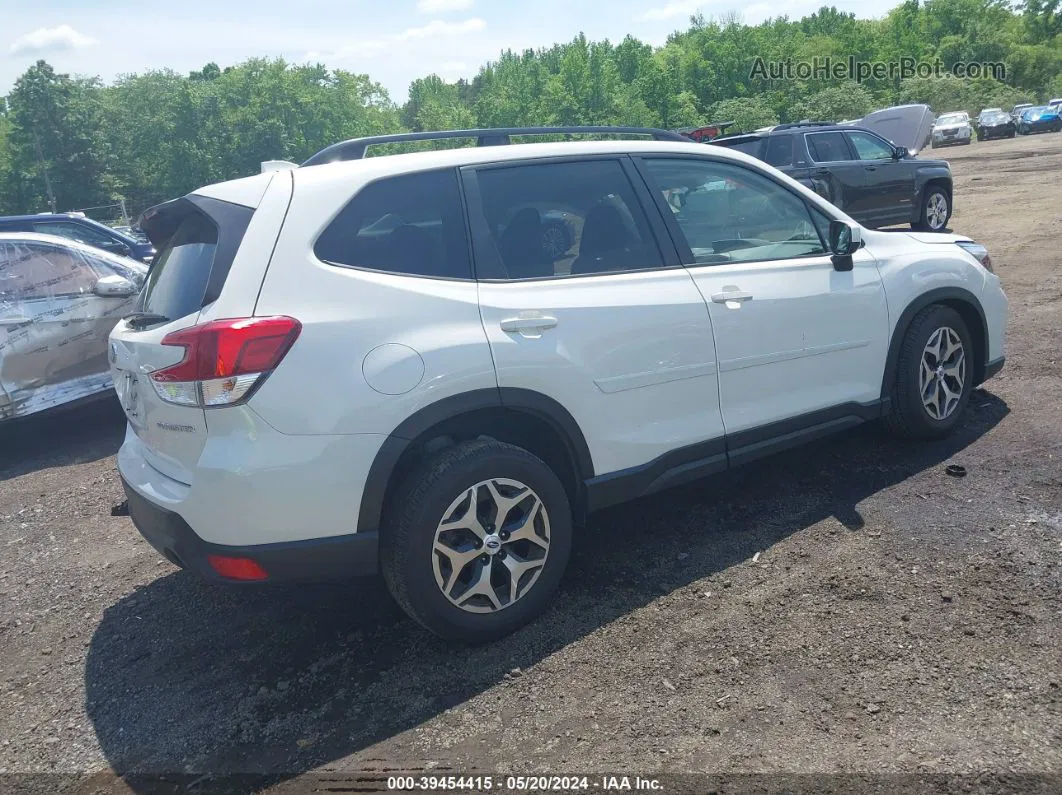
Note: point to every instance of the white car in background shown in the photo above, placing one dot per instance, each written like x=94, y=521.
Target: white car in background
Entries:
x=443, y=402
x=59, y=300
x=952, y=128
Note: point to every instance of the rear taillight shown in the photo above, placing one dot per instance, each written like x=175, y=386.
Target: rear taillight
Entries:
x=224, y=360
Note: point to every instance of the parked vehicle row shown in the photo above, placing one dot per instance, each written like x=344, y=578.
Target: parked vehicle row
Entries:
x=59, y=300
x=75, y=226
x=367, y=365
x=858, y=171
x=1039, y=119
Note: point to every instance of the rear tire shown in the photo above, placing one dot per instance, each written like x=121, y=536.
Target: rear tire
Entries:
x=936, y=210
x=934, y=375
x=466, y=523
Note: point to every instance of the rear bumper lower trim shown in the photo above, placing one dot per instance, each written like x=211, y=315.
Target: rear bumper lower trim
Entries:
x=993, y=367
x=312, y=560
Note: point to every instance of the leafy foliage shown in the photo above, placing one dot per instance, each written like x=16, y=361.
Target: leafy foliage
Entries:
x=152, y=136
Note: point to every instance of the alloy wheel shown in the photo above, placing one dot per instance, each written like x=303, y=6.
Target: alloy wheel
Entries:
x=943, y=373
x=937, y=211
x=491, y=545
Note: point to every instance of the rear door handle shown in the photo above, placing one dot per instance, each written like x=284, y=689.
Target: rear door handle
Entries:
x=731, y=295
x=528, y=323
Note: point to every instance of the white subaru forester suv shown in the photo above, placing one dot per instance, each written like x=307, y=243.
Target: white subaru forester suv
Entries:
x=433, y=365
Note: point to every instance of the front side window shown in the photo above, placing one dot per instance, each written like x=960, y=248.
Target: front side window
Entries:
x=729, y=213
x=411, y=224
x=828, y=147
x=566, y=219
x=870, y=147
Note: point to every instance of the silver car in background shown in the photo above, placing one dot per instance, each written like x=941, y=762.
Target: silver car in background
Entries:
x=59, y=300
x=952, y=128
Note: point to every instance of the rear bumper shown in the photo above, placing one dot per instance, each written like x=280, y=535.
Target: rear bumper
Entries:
x=992, y=368
x=311, y=560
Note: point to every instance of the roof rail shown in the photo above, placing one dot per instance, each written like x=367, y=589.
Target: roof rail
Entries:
x=793, y=124
x=354, y=149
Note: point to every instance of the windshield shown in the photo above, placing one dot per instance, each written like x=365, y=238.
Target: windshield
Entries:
x=952, y=118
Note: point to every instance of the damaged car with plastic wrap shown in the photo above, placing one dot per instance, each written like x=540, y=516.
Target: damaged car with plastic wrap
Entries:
x=59, y=300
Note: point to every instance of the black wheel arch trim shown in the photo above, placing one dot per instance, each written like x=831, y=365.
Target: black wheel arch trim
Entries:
x=935, y=296
x=450, y=408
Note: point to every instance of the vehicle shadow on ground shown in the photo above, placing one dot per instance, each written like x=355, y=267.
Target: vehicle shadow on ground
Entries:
x=182, y=677
x=61, y=437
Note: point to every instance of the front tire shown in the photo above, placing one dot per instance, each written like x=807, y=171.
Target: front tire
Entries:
x=934, y=375
x=476, y=540
x=936, y=210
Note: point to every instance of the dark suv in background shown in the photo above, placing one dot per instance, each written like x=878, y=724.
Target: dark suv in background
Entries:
x=74, y=226
x=866, y=176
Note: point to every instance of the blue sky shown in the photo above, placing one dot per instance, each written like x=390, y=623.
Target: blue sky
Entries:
x=393, y=41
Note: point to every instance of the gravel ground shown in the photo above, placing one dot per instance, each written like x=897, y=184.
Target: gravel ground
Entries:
x=844, y=608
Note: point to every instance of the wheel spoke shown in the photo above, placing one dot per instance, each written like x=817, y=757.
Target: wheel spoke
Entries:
x=517, y=569
x=469, y=520
x=526, y=530
x=458, y=560
x=504, y=505
x=481, y=587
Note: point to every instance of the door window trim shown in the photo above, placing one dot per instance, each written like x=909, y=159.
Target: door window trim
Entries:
x=678, y=238
x=486, y=265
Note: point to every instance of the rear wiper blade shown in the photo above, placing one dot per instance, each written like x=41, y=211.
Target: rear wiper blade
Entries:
x=139, y=320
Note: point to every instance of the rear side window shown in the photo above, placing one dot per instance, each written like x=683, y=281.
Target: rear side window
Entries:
x=410, y=224
x=565, y=219
x=178, y=279
x=828, y=147
x=779, y=150
x=197, y=238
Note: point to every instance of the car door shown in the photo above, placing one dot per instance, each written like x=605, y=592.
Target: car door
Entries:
x=800, y=344
x=53, y=343
x=890, y=180
x=838, y=176
x=614, y=329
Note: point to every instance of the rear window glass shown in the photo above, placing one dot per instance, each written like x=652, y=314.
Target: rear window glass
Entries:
x=178, y=279
x=410, y=224
x=779, y=150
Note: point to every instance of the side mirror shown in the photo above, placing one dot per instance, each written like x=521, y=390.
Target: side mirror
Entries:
x=114, y=286
x=845, y=240
x=900, y=152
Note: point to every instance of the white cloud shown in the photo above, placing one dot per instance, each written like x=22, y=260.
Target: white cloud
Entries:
x=438, y=27
x=442, y=6
x=679, y=8
x=369, y=48
x=57, y=39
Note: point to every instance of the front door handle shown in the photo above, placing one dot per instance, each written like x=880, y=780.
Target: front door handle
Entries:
x=528, y=323
x=727, y=296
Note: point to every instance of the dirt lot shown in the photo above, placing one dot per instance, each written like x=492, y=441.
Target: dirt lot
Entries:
x=896, y=620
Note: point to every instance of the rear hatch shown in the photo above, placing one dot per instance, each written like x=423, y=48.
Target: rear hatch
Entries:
x=197, y=238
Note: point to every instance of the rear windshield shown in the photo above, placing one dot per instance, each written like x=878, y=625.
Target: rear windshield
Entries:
x=179, y=276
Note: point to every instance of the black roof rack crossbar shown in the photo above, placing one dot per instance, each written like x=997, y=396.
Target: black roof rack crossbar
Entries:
x=354, y=149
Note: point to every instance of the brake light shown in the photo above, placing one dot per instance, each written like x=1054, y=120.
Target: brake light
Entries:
x=224, y=360
x=237, y=568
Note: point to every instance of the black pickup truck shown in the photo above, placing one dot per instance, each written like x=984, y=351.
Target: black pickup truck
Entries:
x=866, y=176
